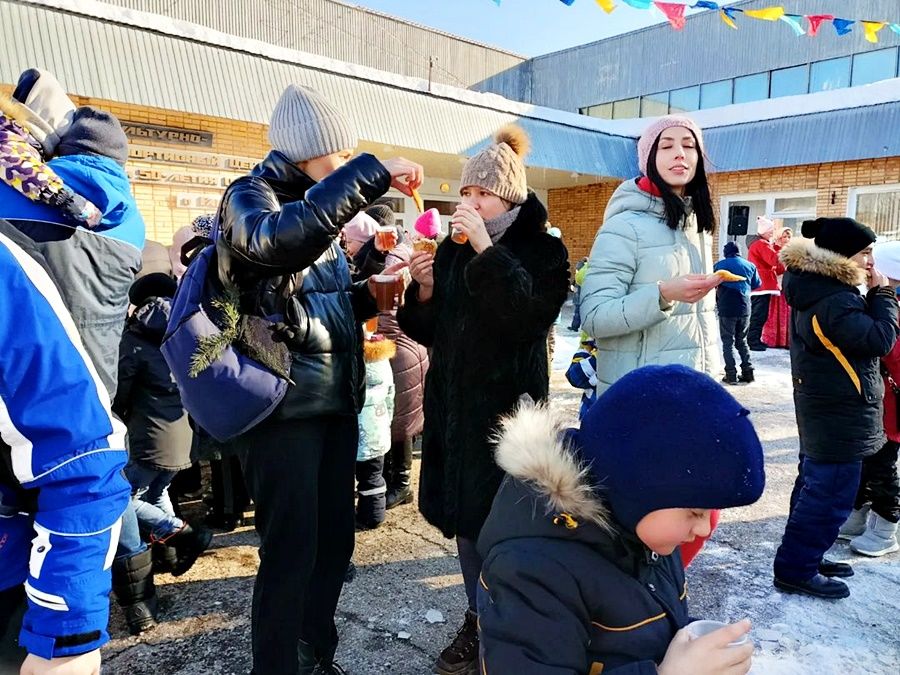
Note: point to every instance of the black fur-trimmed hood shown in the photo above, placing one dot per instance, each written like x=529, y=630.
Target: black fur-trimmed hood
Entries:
x=803, y=255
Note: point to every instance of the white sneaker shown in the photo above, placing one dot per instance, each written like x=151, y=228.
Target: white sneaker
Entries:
x=856, y=524
x=880, y=538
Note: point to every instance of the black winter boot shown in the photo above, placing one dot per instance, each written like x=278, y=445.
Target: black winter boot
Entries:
x=730, y=377
x=189, y=543
x=819, y=587
x=132, y=582
x=399, y=492
x=164, y=558
x=461, y=656
x=747, y=375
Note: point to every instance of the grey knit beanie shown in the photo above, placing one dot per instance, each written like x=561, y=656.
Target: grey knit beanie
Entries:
x=304, y=126
x=499, y=167
x=94, y=132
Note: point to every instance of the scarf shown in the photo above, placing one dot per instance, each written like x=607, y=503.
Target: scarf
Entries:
x=497, y=227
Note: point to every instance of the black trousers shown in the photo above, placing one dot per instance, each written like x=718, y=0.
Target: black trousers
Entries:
x=733, y=330
x=759, y=314
x=879, y=484
x=300, y=473
x=12, y=609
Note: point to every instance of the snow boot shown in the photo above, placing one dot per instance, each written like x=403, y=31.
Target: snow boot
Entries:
x=399, y=491
x=461, y=656
x=880, y=538
x=829, y=568
x=730, y=377
x=132, y=582
x=164, y=558
x=189, y=543
x=747, y=376
x=856, y=523
x=818, y=587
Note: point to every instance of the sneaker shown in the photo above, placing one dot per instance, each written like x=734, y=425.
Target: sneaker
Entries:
x=880, y=538
x=856, y=523
x=829, y=568
x=461, y=656
x=818, y=587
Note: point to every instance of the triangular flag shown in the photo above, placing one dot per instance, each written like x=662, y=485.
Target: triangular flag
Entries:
x=567, y=2
x=793, y=20
x=896, y=28
x=674, y=13
x=638, y=4
x=766, y=14
x=842, y=26
x=728, y=17
x=872, y=28
x=705, y=4
x=815, y=20
x=607, y=5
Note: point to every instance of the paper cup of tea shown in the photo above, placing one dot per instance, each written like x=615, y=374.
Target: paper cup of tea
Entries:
x=698, y=629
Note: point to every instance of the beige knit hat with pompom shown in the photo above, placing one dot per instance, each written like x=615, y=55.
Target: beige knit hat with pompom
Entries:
x=499, y=167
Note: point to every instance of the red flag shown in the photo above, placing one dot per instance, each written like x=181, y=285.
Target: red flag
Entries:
x=816, y=20
x=674, y=13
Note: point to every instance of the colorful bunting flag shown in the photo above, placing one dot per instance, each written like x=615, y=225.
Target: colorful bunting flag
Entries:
x=674, y=13
x=842, y=26
x=816, y=20
x=872, y=28
x=766, y=13
x=793, y=20
x=727, y=15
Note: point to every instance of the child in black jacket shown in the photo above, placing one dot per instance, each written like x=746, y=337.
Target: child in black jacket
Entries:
x=837, y=338
x=582, y=571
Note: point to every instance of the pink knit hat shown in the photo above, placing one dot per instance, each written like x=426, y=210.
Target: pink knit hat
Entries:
x=361, y=228
x=764, y=225
x=651, y=133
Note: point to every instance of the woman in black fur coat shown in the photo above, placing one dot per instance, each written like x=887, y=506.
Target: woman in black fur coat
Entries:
x=484, y=307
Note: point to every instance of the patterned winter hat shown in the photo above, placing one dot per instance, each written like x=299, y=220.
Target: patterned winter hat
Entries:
x=202, y=226
x=499, y=167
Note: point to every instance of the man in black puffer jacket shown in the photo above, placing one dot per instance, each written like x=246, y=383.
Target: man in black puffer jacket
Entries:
x=837, y=337
x=278, y=245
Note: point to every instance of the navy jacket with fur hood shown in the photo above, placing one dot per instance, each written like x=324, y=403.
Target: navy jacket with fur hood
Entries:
x=564, y=590
x=837, y=337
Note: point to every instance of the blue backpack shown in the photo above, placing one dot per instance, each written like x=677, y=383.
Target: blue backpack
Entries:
x=229, y=367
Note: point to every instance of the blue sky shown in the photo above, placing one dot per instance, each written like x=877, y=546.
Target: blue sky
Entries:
x=527, y=27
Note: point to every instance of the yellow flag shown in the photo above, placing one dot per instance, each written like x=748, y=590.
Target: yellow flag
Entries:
x=728, y=20
x=872, y=28
x=766, y=14
x=607, y=5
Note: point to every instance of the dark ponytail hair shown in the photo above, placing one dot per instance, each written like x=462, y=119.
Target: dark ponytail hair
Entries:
x=697, y=190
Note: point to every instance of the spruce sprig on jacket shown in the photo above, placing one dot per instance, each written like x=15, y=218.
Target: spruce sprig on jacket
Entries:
x=211, y=347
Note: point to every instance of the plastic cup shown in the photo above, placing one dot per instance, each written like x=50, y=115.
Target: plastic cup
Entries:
x=386, y=290
x=698, y=629
x=386, y=237
x=459, y=237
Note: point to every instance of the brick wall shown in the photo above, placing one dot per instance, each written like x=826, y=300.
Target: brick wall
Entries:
x=578, y=211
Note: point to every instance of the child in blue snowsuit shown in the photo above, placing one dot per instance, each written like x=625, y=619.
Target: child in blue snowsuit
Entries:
x=582, y=373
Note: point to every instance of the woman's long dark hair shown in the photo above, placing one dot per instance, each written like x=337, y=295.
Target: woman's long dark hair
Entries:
x=697, y=190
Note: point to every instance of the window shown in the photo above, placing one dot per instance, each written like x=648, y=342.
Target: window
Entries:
x=751, y=88
x=787, y=209
x=627, y=109
x=685, y=100
x=790, y=81
x=655, y=105
x=879, y=208
x=603, y=111
x=830, y=74
x=874, y=66
x=443, y=208
x=715, y=94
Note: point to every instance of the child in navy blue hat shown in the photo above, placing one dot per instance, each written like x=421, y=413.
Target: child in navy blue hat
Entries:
x=582, y=569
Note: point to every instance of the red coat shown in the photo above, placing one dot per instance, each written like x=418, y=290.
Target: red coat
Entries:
x=892, y=363
x=763, y=254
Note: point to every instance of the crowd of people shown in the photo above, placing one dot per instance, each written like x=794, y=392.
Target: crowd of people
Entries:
x=345, y=338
